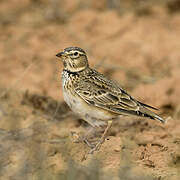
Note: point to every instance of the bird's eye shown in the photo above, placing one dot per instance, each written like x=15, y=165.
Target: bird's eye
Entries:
x=76, y=53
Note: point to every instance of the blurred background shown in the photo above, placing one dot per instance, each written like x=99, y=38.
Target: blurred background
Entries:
x=135, y=42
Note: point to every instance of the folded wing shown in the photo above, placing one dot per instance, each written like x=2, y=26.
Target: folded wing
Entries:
x=113, y=98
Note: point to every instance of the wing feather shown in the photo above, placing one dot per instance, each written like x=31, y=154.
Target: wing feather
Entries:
x=98, y=91
x=106, y=98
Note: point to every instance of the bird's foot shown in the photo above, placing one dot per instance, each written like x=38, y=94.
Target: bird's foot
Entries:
x=77, y=138
x=97, y=146
x=94, y=148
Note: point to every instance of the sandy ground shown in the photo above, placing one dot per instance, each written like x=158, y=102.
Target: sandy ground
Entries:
x=137, y=47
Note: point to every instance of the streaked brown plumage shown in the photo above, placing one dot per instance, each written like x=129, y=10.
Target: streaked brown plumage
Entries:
x=94, y=97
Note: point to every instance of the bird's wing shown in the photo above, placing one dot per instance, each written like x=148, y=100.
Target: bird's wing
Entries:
x=106, y=94
x=106, y=98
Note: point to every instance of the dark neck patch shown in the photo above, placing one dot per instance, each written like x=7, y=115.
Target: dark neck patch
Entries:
x=70, y=72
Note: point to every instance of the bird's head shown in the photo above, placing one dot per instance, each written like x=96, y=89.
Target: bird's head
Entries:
x=74, y=59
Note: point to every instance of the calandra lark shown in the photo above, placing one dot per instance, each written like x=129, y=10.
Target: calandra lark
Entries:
x=94, y=97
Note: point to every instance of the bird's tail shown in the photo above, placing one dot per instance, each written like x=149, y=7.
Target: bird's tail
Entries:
x=144, y=112
x=160, y=119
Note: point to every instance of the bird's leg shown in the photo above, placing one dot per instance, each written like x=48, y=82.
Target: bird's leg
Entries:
x=101, y=141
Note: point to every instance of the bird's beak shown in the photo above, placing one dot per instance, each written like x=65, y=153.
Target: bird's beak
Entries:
x=61, y=54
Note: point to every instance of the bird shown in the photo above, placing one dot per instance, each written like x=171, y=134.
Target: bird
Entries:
x=95, y=98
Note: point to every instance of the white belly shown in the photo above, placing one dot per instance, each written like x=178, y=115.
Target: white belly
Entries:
x=93, y=115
